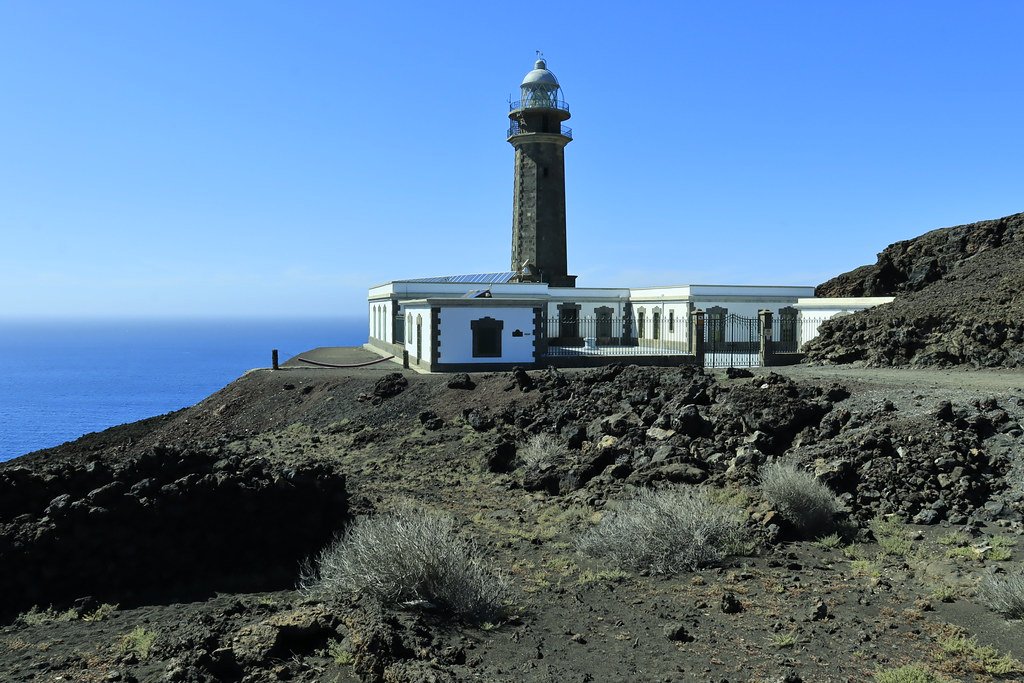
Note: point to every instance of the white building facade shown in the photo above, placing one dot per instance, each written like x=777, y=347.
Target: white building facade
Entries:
x=534, y=315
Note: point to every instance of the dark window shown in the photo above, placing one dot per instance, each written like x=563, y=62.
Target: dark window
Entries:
x=787, y=328
x=671, y=321
x=640, y=325
x=487, y=337
x=604, y=322
x=568, y=321
x=419, y=338
x=656, y=324
x=715, y=322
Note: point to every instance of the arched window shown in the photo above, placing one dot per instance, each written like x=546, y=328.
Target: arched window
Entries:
x=787, y=329
x=640, y=320
x=714, y=320
x=604, y=322
x=656, y=324
x=568, y=320
x=486, y=337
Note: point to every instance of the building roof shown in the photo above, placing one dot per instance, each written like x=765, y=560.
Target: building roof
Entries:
x=481, y=278
x=540, y=75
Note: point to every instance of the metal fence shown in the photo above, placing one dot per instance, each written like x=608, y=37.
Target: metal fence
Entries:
x=611, y=336
x=731, y=341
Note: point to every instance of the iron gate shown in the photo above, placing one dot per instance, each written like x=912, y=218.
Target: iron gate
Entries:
x=731, y=341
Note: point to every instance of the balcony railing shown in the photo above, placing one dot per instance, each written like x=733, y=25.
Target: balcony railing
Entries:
x=539, y=103
x=517, y=128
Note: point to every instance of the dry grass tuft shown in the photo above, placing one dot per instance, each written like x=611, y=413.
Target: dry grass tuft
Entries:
x=541, y=449
x=1005, y=593
x=667, y=531
x=800, y=498
x=410, y=557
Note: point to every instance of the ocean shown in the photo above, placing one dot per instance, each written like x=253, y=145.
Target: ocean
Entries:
x=62, y=379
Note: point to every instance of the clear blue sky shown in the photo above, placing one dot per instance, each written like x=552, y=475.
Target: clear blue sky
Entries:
x=271, y=158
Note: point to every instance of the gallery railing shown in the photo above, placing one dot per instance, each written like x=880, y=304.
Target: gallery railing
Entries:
x=539, y=103
x=516, y=128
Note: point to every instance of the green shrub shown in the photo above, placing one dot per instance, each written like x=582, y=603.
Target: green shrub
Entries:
x=891, y=535
x=799, y=497
x=667, y=531
x=138, y=642
x=38, y=617
x=104, y=611
x=911, y=673
x=410, y=557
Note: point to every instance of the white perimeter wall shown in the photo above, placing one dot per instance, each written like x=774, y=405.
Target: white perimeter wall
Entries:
x=457, y=335
x=813, y=312
x=412, y=313
x=678, y=310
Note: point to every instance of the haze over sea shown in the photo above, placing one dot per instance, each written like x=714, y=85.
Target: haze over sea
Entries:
x=63, y=379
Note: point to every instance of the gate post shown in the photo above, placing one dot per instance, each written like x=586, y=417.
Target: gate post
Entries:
x=697, y=335
x=765, y=324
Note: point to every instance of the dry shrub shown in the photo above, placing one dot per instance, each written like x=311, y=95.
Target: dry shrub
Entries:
x=414, y=558
x=799, y=497
x=1005, y=593
x=667, y=531
x=541, y=449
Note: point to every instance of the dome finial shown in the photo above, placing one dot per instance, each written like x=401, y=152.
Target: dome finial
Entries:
x=540, y=63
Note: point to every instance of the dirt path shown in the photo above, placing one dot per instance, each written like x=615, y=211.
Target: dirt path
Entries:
x=1004, y=380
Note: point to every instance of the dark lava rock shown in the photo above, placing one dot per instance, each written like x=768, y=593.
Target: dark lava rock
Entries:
x=981, y=263
x=677, y=632
x=820, y=611
x=523, y=379
x=478, y=419
x=731, y=604
x=390, y=385
x=430, y=420
x=461, y=381
x=689, y=421
x=501, y=457
x=542, y=478
x=174, y=523
x=738, y=373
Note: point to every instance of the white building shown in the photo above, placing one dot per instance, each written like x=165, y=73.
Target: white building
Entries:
x=534, y=315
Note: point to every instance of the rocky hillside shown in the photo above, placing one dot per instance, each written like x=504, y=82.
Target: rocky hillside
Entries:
x=959, y=301
x=102, y=540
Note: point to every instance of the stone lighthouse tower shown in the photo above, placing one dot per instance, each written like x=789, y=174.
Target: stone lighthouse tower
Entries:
x=538, y=209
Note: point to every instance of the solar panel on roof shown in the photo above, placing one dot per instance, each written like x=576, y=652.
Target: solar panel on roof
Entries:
x=484, y=278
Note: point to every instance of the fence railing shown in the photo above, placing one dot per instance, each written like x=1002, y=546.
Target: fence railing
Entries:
x=614, y=336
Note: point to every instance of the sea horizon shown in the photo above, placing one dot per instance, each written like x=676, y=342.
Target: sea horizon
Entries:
x=70, y=376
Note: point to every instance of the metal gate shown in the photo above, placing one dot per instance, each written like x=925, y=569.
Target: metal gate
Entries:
x=731, y=341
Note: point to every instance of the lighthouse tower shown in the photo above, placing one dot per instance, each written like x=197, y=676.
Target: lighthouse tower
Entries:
x=538, y=209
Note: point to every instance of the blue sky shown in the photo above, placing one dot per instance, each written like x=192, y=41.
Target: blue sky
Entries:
x=275, y=159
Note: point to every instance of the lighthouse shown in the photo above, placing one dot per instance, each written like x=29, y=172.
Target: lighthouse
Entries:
x=538, y=207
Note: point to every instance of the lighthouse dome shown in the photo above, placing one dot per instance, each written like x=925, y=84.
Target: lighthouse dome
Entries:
x=540, y=76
